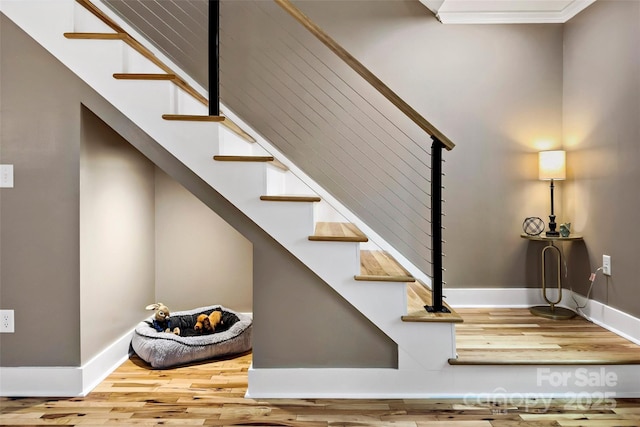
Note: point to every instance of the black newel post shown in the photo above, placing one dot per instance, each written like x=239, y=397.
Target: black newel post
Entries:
x=214, y=57
x=436, y=226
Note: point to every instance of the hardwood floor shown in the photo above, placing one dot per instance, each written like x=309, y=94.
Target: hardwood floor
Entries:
x=514, y=336
x=213, y=394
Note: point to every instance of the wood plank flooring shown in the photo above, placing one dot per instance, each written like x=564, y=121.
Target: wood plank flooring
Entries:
x=514, y=336
x=211, y=394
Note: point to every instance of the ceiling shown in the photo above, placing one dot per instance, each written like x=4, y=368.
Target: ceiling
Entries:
x=505, y=11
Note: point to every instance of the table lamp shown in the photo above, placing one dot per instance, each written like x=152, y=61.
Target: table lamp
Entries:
x=551, y=167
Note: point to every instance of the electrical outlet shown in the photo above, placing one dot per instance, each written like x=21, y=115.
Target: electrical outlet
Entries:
x=6, y=176
x=606, y=265
x=7, y=324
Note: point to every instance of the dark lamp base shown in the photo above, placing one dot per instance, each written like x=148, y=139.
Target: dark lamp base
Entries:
x=555, y=313
x=552, y=234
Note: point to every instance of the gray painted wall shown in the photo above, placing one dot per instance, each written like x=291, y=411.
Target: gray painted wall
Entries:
x=117, y=235
x=200, y=259
x=602, y=137
x=40, y=234
x=39, y=218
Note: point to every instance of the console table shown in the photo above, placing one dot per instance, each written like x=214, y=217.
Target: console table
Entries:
x=551, y=311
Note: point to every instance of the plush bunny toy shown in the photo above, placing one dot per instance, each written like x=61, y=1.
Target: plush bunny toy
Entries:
x=162, y=320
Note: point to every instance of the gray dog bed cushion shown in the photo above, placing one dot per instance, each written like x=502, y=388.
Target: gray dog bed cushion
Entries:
x=165, y=350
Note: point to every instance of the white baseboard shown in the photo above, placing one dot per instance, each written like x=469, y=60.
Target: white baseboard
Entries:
x=99, y=367
x=496, y=297
x=471, y=383
x=610, y=318
x=64, y=381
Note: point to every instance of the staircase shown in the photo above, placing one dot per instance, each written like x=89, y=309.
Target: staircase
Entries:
x=243, y=167
x=303, y=217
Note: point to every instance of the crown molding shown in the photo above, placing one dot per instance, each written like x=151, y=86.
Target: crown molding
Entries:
x=448, y=12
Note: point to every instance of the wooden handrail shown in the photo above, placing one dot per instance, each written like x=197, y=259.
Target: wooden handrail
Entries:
x=126, y=37
x=359, y=68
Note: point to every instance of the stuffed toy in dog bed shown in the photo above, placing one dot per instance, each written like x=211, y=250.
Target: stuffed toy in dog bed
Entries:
x=232, y=335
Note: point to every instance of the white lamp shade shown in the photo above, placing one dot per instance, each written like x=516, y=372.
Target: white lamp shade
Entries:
x=551, y=165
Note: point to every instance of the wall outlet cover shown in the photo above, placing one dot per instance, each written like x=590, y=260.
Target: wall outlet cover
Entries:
x=606, y=265
x=6, y=176
x=7, y=324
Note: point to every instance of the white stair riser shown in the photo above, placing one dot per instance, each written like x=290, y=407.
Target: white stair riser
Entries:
x=183, y=103
x=241, y=182
x=384, y=302
x=135, y=62
x=85, y=22
x=152, y=95
x=297, y=215
x=293, y=185
x=326, y=213
x=276, y=179
x=230, y=144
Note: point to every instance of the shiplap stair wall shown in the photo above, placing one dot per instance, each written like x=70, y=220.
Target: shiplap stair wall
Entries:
x=332, y=123
x=97, y=59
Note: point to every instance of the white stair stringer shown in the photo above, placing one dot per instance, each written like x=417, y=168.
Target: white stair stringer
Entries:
x=242, y=183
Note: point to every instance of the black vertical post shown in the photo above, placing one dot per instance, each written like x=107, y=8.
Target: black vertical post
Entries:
x=214, y=57
x=552, y=218
x=436, y=226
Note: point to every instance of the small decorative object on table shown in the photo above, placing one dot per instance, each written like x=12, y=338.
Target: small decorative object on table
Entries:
x=533, y=226
x=565, y=229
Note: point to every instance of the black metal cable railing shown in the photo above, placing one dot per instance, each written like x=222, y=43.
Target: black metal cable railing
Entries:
x=336, y=127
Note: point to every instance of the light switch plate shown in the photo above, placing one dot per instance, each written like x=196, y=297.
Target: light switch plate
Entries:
x=6, y=176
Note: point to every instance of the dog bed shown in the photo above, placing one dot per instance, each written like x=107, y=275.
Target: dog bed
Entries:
x=165, y=350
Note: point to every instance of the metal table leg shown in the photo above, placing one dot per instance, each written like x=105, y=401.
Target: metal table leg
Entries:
x=551, y=311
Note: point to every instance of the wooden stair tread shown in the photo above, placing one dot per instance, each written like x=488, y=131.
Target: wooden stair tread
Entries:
x=337, y=232
x=290, y=198
x=224, y=158
x=192, y=118
x=96, y=36
x=382, y=267
x=418, y=295
x=144, y=76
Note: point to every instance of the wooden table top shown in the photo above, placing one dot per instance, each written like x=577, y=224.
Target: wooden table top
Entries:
x=543, y=238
